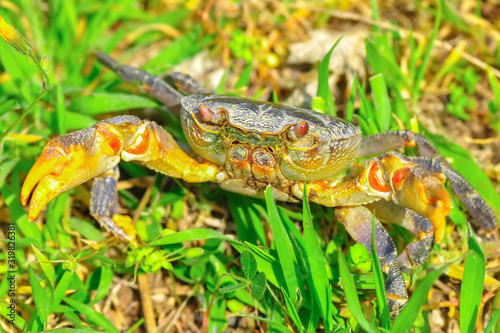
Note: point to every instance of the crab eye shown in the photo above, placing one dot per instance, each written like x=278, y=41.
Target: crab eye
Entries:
x=212, y=117
x=300, y=137
x=298, y=131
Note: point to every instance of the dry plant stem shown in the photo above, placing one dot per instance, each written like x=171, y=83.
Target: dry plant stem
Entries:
x=403, y=32
x=147, y=305
x=177, y=314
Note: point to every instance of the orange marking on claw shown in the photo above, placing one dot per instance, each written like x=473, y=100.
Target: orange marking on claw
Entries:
x=400, y=175
x=110, y=139
x=376, y=179
x=139, y=148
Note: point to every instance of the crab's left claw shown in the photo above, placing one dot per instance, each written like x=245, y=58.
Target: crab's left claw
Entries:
x=68, y=161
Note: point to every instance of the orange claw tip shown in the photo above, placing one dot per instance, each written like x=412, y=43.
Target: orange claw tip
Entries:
x=24, y=199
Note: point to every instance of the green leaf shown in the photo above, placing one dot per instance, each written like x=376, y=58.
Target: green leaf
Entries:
x=283, y=244
x=359, y=259
x=317, y=277
x=192, y=235
x=249, y=264
x=180, y=49
x=231, y=287
x=92, y=315
x=105, y=279
x=98, y=103
x=258, y=285
x=62, y=286
x=39, y=295
x=266, y=262
x=244, y=77
x=471, y=289
x=351, y=294
x=47, y=267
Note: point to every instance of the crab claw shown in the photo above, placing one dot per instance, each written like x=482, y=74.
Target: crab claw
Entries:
x=70, y=160
x=419, y=190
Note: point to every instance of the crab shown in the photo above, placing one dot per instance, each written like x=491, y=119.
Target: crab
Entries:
x=247, y=145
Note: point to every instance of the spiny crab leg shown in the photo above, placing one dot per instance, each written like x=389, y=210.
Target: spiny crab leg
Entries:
x=72, y=159
x=390, y=177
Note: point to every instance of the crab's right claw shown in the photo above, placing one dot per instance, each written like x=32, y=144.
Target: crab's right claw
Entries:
x=418, y=189
x=68, y=161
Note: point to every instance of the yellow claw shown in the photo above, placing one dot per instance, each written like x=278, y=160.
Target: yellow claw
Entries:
x=419, y=190
x=68, y=161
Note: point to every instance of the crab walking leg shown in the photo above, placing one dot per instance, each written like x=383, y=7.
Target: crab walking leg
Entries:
x=154, y=85
x=390, y=177
x=72, y=159
x=104, y=203
x=383, y=142
x=358, y=223
x=417, y=252
x=482, y=214
x=430, y=159
x=184, y=83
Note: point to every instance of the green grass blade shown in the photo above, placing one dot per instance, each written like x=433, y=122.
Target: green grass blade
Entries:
x=62, y=286
x=99, y=103
x=323, y=87
x=379, y=283
x=317, y=276
x=39, y=295
x=425, y=60
x=292, y=312
x=283, y=244
x=382, y=103
x=92, y=315
x=192, y=235
x=471, y=290
x=180, y=49
x=351, y=294
x=493, y=321
x=350, y=104
x=47, y=267
x=266, y=263
x=375, y=14
x=55, y=212
x=105, y=279
x=407, y=317
x=495, y=87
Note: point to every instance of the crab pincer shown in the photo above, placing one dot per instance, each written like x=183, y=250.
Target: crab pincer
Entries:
x=68, y=161
x=72, y=159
